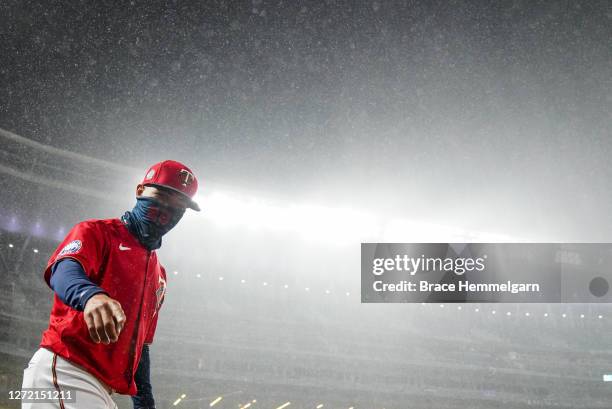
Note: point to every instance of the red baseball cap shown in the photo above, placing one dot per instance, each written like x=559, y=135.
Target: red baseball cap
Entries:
x=175, y=176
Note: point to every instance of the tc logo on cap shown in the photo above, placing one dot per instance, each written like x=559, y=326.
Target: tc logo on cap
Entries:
x=186, y=177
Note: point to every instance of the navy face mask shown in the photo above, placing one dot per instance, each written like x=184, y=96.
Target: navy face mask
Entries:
x=149, y=220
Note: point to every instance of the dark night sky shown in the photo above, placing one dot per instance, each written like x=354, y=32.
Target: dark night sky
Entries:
x=434, y=107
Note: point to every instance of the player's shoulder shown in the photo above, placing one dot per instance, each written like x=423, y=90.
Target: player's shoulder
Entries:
x=98, y=225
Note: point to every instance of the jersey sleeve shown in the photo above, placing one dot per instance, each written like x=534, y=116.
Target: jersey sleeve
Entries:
x=153, y=325
x=86, y=244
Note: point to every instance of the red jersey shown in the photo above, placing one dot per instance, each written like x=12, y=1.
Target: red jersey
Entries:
x=113, y=259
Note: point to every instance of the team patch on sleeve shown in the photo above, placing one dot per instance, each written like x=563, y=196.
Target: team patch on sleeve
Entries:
x=71, y=248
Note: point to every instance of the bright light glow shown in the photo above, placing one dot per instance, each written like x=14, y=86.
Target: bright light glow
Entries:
x=11, y=245
x=581, y=315
x=265, y=284
x=441, y=305
x=508, y=313
x=476, y=310
x=176, y=273
x=459, y=308
x=527, y=314
x=337, y=225
x=246, y=406
x=493, y=312
x=546, y=314
x=327, y=291
x=35, y=250
x=243, y=281
x=564, y=315
x=404, y=230
x=220, y=278
x=600, y=316
x=198, y=275
x=347, y=293
x=319, y=406
x=213, y=403
x=307, y=289
x=321, y=223
x=286, y=286
x=284, y=405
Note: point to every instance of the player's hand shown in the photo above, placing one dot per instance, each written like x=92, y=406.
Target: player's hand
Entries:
x=104, y=318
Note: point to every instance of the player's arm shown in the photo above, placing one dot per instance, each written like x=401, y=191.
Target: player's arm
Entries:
x=103, y=315
x=87, y=245
x=144, y=398
x=71, y=284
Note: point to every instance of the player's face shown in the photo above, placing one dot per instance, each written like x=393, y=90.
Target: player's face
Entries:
x=165, y=197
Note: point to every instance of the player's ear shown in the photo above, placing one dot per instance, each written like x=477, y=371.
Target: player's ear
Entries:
x=139, y=190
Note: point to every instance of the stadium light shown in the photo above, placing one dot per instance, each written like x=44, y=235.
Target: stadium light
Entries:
x=284, y=405
x=11, y=245
x=176, y=402
x=35, y=251
x=214, y=402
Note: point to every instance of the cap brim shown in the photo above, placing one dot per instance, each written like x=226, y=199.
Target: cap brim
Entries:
x=190, y=203
x=193, y=206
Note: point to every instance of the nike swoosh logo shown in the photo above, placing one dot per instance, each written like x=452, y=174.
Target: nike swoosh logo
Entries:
x=123, y=248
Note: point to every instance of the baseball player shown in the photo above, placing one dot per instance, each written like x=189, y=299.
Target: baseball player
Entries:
x=109, y=287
